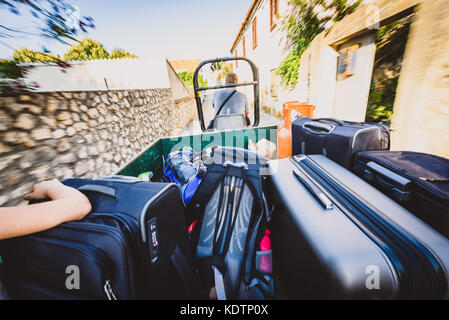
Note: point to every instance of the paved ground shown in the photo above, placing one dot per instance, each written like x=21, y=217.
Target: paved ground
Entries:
x=194, y=126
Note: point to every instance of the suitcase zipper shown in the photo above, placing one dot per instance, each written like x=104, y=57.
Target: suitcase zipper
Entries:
x=122, y=222
x=108, y=290
x=411, y=259
x=132, y=235
x=325, y=202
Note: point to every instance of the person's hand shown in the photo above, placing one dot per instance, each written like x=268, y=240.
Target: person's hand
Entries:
x=55, y=190
x=41, y=190
x=52, y=189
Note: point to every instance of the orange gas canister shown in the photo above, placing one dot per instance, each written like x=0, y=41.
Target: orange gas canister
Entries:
x=292, y=110
x=284, y=142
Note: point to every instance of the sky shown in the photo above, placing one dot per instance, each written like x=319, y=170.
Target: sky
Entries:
x=181, y=29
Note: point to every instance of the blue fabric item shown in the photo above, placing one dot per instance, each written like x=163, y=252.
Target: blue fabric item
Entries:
x=181, y=170
x=190, y=189
x=170, y=175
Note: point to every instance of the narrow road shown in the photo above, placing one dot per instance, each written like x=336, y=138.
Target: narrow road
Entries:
x=194, y=126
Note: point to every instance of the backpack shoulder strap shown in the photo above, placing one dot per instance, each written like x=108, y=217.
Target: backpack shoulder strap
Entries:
x=209, y=183
x=225, y=101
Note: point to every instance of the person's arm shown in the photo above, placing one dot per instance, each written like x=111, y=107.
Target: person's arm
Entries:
x=248, y=121
x=246, y=106
x=67, y=204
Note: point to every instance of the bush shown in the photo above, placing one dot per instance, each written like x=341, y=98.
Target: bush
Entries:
x=381, y=100
x=187, y=78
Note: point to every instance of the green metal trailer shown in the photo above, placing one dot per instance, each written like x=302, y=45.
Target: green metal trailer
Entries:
x=152, y=159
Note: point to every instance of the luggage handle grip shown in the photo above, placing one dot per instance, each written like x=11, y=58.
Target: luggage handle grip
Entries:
x=325, y=202
x=237, y=165
x=379, y=174
x=317, y=127
x=339, y=122
x=120, y=178
x=107, y=191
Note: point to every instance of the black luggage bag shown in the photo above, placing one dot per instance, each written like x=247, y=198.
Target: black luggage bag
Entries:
x=343, y=239
x=418, y=181
x=133, y=245
x=336, y=139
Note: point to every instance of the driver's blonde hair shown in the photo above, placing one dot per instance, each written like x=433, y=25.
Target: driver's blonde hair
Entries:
x=231, y=77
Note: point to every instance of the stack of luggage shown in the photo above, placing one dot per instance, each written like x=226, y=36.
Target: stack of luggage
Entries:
x=342, y=218
x=417, y=181
x=343, y=238
x=135, y=243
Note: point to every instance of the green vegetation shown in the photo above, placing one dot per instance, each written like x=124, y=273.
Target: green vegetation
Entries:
x=121, y=53
x=381, y=100
x=12, y=75
x=308, y=19
x=224, y=68
x=390, y=46
x=11, y=78
x=187, y=78
x=288, y=69
x=86, y=49
x=89, y=49
x=8, y=69
x=27, y=55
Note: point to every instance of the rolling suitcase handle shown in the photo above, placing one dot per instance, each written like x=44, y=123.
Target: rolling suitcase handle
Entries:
x=317, y=127
x=339, y=122
x=379, y=174
x=120, y=178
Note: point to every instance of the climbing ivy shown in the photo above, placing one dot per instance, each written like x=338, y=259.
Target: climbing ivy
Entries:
x=309, y=18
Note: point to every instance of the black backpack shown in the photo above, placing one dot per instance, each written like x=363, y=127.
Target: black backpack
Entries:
x=232, y=215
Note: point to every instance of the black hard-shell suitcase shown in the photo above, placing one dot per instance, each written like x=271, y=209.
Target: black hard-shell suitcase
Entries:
x=418, y=181
x=342, y=238
x=338, y=140
x=132, y=245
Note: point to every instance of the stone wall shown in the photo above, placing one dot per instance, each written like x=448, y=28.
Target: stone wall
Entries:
x=82, y=134
x=185, y=109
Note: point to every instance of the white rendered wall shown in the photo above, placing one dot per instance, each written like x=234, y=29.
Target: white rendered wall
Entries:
x=114, y=74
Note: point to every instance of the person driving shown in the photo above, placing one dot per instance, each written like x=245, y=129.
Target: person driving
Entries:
x=229, y=100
